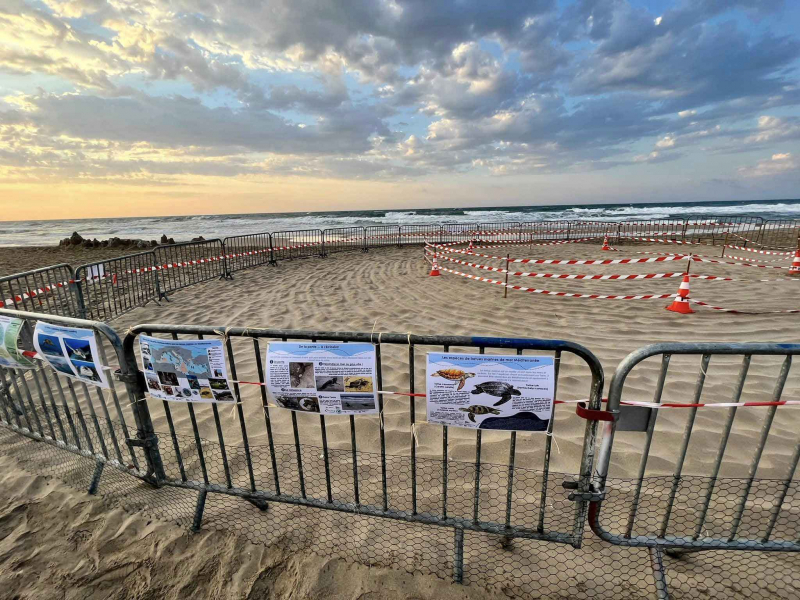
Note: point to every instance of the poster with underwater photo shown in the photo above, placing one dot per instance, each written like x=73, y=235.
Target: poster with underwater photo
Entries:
x=71, y=351
x=185, y=370
x=15, y=338
x=326, y=378
x=484, y=391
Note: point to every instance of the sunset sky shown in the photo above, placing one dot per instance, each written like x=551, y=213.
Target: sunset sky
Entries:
x=161, y=107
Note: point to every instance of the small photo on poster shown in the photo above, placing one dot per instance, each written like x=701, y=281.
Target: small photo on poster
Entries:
x=16, y=337
x=78, y=350
x=299, y=403
x=50, y=345
x=62, y=365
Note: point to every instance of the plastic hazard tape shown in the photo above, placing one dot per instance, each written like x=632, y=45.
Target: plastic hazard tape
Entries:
x=563, y=294
x=521, y=243
x=743, y=312
x=553, y=261
x=571, y=276
x=659, y=240
x=31, y=294
x=741, y=264
x=760, y=259
x=787, y=254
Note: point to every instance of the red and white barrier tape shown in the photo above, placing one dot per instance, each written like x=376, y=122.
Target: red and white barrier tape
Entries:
x=31, y=294
x=743, y=312
x=741, y=264
x=563, y=294
x=499, y=244
x=570, y=276
x=749, y=259
x=760, y=251
x=553, y=261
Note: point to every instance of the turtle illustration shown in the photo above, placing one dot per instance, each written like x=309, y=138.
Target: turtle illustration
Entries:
x=454, y=375
x=478, y=409
x=497, y=388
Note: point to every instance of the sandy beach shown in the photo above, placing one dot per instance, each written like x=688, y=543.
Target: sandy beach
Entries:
x=389, y=290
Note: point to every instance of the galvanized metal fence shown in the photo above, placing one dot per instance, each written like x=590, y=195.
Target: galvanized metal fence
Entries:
x=689, y=495
x=391, y=469
x=50, y=290
x=247, y=251
x=112, y=287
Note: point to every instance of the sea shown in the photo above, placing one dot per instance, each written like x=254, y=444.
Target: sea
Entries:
x=182, y=228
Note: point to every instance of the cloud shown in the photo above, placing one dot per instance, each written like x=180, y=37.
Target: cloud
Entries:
x=391, y=88
x=778, y=164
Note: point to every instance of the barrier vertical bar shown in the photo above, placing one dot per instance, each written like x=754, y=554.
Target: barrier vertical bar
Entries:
x=548, y=444
x=412, y=419
x=726, y=432
x=379, y=368
x=765, y=428
x=267, y=420
x=477, y=493
x=687, y=434
x=240, y=412
x=445, y=461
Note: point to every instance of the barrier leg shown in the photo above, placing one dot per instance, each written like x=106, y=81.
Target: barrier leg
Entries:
x=98, y=472
x=260, y=504
x=458, y=556
x=657, y=561
x=197, y=521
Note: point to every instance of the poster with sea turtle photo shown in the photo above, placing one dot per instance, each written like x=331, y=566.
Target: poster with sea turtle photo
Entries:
x=484, y=391
x=332, y=379
x=185, y=370
x=72, y=351
x=15, y=338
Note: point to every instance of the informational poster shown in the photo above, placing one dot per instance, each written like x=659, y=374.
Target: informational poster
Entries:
x=332, y=379
x=483, y=391
x=185, y=370
x=15, y=337
x=71, y=351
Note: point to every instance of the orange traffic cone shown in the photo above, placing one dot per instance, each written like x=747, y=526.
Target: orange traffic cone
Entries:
x=795, y=268
x=434, y=267
x=605, y=244
x=681, y=302
x=470, y=246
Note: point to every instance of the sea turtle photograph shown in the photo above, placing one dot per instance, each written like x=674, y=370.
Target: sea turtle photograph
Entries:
x=454, y=375
x=502, y=390
x=479, y=409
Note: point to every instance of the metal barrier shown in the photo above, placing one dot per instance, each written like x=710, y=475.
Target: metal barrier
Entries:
x=342, y=239
x=382, y=235
x=187, y=263
x=364, y=478
x=508, y=231
x=49, y=407
x=112, y=287
x=779, y=234
x=247, y=251
x=419, y=234
x=50, y=290
x=665, y=508
x=299, y=243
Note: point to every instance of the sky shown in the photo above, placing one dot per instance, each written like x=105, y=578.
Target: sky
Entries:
x=155, y=107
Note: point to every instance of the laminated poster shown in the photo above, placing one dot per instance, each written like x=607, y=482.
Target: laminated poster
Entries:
x=15, y=336
x=71, y=351
x=185, y=370
x=332, y=379
x=482, y=391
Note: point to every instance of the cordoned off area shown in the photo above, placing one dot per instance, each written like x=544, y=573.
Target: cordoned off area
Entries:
x=665, y=484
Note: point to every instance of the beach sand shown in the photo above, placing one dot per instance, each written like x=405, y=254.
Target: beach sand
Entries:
x=389, y=290
x=16, y=259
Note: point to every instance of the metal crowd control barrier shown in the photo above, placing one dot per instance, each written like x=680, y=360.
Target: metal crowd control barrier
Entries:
x=382, y=235
x=247, y=251
x=419, y=234
x=188, y=263
x=49, y=407
x=519, y=501
x=680, y=512
x=112, y=287
x=299, y=243
x=779, y=234
x=50, y=290
x=342, y=239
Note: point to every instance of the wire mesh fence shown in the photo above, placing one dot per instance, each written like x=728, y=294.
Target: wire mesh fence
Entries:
x=50, y=290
